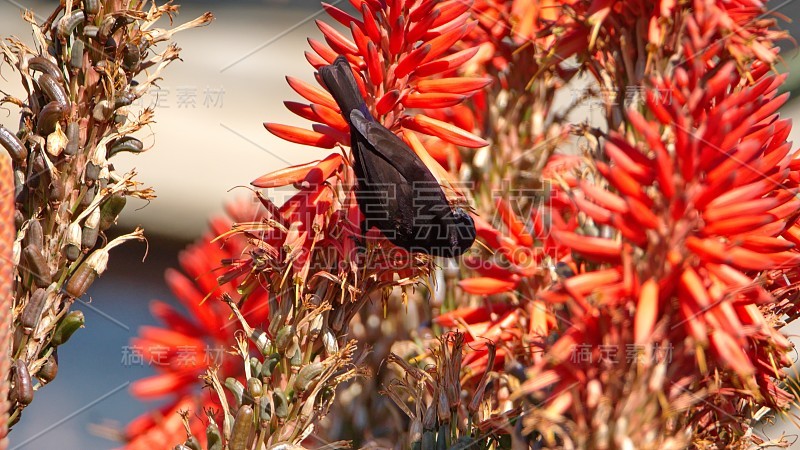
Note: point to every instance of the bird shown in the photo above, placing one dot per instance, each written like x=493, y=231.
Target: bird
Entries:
x=395, y=190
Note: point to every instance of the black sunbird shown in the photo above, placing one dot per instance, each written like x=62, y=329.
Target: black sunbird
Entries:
x=395, y=190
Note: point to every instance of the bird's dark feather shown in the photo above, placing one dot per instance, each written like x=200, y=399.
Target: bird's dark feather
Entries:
x=395, y=191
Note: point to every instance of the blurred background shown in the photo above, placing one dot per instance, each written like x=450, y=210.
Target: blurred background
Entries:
x=208, y=143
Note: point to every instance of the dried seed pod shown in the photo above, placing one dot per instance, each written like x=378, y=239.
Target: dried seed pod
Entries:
x=49, y=116
x=294, y=353
x=19, y=218
x=89, y=193
x=242, y=426
x=44, y=65
x=103, y=111
x=37, y=265
x=56, y=189
x=284, y=338
x=340, y=317
x=91, y=7
x=73, y=136
x=33, y=311
x=76, y=54
x=13, y=145
x=308, y=375
x=120, y=116
x=131, y=57
x=87, y=272
x=49, y=370
x=52, y=88
x=429, y=417
x=91, y=228
x=415, y=430
x=106, y=27
x=236, y=388
x=124, y=100
x=276, y=324
x=269, y=365
x=92, y=173
x=110, y=210
x=281, y=403
x=443, y=407
x=125, y=144
x=68, y=325
x=22, y=392
x=316, y=327
x=91, y=31
x=213, y=437
x=254, y=388
x=69, y=22
x=39, y=169
x=72, y=250
x=102, y=178
x=265, y=411
x=56, y=141
x=34, y=235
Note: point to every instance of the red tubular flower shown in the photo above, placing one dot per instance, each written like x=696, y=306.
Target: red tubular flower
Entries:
x=722, y=203
x=701, y=201
x=513, y=315
x=742, y=29
x=398, y=50
x=504, y=26
x=693, y=200
x=192, y=342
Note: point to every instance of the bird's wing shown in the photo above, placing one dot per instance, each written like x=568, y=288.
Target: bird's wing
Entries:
x=390, y=148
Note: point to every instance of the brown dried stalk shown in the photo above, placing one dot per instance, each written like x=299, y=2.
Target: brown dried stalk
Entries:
x=90, y=61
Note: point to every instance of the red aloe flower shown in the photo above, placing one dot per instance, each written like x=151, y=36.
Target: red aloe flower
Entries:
x=742, y=30
x=513, y=316
x=397, y=50
x=505, y=26
x=695, y=203
x=191, y=343
x=661, y=245
x=717, y=211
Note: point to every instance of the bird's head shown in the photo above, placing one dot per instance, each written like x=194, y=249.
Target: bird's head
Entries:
x=462, y=235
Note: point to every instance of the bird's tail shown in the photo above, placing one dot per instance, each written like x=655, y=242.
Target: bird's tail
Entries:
x=338, y=77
